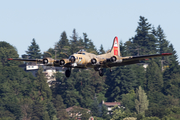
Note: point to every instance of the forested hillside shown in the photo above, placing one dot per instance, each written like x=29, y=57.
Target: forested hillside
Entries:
x=147, y=94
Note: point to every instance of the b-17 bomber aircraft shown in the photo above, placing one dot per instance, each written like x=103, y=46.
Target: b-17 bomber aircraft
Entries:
x=83, y=59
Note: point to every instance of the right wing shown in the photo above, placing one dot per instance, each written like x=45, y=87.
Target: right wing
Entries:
x=48, y=61
x=27, y=60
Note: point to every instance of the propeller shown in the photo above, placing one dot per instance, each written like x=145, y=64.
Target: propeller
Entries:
x=93, y=61
x=113, y=59
x=62, y=62
x=45, y=61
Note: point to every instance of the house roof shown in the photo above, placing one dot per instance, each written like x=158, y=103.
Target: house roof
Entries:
x=112, y=103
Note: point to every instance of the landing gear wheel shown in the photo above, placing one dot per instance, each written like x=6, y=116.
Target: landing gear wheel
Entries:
x=68, y=73
x=101, y=73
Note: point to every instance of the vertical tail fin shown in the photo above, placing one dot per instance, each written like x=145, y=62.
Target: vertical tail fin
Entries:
x=115, y=50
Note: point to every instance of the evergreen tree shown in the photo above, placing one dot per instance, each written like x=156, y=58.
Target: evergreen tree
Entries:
x=33, y=50
x=101, y=50
x=86, y=41
x=121, y=81
x=144, y=40
x=60, y=108
x=63, y=40
x=154, y=78
x=74, y=42
x=154, y=85
x=163, y=43
x=139, y=72
x=62, y=46
x=141, y=103
x=104, y=112
x=95, y=108
x=38, y=111
x=172, y=85
x=173, y=58
x=51, y=111
x=44, y=91
x=142, y=32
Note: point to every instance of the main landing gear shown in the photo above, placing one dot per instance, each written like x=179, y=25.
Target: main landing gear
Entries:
x=101, y=73
x=100, y=70
x=68, y=72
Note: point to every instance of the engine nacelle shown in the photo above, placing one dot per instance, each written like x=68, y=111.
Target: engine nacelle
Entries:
x=48, y=61
x=97, y=61
x=72, y=59
x=94, y=61
x=64, y=61
x=114, y=59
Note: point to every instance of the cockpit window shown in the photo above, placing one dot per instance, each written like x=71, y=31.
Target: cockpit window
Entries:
x=81, y=51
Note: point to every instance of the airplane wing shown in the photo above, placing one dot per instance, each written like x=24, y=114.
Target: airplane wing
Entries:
x=49, y=61
x=143, y=57
x=136, y=59
x=27, y=60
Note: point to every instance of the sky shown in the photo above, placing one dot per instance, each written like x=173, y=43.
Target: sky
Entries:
x=102, y=20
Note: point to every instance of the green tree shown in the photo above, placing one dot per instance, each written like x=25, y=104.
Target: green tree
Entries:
x=141, y=103
x=95, y=108
x=104, y=113
x=51, y=111
x=163, y=43
x=151, y=118
x=154, y=78
x=171, y=86
x=118, y=113
x=7, y=51
x=60, y=107
x=128, y=101
x=101, y=50
x=33, y=50
x=74, y=42
x=62, y=46
x=63, y=40
x=38, y=111
x=85, y=114
x=86, y=41
x=44, y=92
x=121, y=81
x=143, y=40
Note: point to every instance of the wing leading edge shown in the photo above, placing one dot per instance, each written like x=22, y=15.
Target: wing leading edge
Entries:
x=27, y=60
x=143, y=57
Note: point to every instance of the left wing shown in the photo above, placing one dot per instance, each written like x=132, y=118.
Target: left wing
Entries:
x=135, y=59
x=143, y=57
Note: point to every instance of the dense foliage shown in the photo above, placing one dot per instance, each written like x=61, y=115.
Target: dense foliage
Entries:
x=147, y=94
